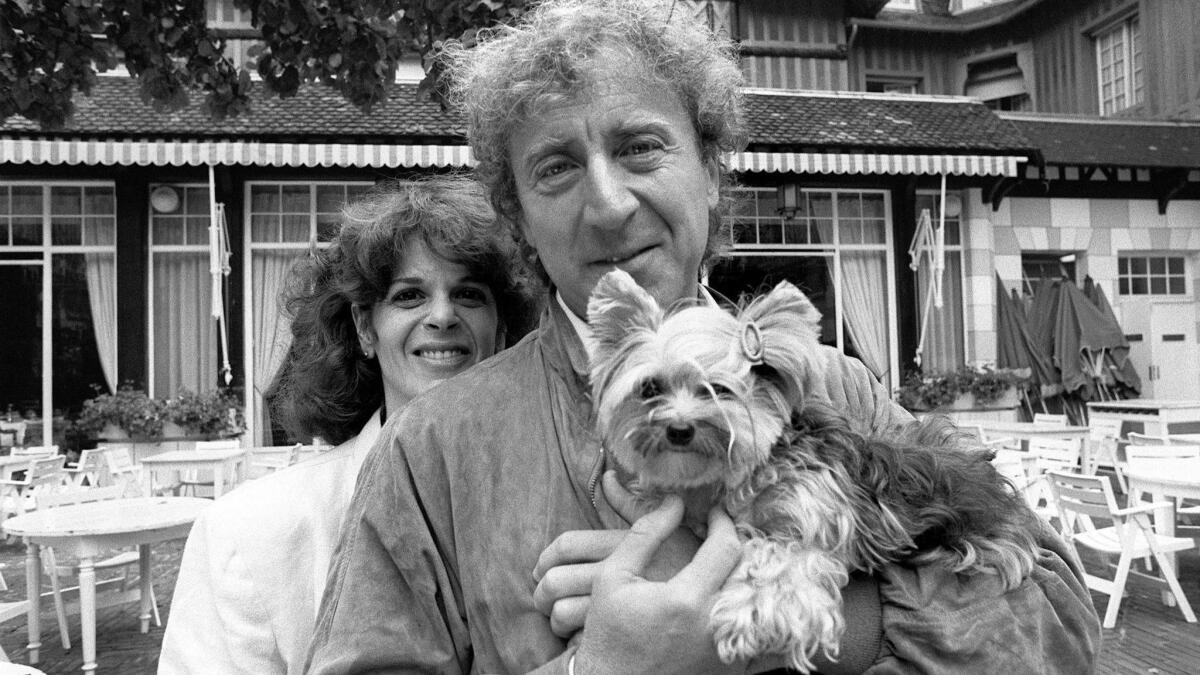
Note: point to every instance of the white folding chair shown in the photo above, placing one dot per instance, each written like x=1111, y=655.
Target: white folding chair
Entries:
x=123, y=471
x=41, y=474
x=271, y=458
x=1080, y=498
x=1049, y=454
x=90, y=467
x=1104, y=437
x=12, y=434
x=976, y=432
x=127, y=584
x=1136, y=438
x=1050, y=419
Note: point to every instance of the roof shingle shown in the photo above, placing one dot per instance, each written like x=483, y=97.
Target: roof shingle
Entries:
x=1108, y=142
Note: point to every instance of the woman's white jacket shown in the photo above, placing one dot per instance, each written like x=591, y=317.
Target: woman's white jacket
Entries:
x=254, y=567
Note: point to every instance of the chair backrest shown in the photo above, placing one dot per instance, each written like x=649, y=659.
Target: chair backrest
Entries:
x=1104, y=429
x=1047, y=418
x=1136, y=438
x=1150, y=456
x=122, y=470
x=91, y=461
x=14, y=431
x=1081, y=495
x=49, y=500
x=36, y=450
x=44, y=472
x=221, y=444
x=1055, y=453
x=1011, y=465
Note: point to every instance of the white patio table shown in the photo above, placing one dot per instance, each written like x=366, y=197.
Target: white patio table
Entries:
x=87, y=531
x=225, y=464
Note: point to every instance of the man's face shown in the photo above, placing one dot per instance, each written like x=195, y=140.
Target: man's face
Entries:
x=614, y=179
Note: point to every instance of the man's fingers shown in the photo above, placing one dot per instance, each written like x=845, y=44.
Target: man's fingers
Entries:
x=644, y=537
x=716, y=558
x=569, y=614
x=561, y=582
x=577, y=546
x=623, y=502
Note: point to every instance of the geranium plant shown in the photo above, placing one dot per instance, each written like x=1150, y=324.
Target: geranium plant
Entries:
x=129, y=409
x=215, y=413
x=989, y=384
x=928, y=391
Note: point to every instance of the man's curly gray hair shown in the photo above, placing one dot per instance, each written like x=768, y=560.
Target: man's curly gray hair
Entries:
x=548, y=58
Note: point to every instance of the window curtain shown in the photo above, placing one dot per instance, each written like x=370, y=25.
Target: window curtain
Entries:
x=943, y=348
x=101, y=273
x=864, y=307
x=272, y=334
x=184, y=332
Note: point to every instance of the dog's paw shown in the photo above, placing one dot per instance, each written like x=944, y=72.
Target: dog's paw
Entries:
x=782, y=599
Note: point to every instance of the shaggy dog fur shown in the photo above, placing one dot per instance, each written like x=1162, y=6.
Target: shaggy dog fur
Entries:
x=713, y=406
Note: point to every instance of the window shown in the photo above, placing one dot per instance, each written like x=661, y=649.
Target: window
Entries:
x=1039, y=267
x=183, y=344
x=835, y=247
x=999, y=83
x=1151, y=275
x=58, y=271
x=890, y=85
x=285, y=219
x=1119, y=65
x=942, y=349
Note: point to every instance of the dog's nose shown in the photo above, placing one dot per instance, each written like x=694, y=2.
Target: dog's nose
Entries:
x=680, y=434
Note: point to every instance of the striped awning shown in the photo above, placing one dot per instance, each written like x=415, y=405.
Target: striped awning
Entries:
x=174, y=152
x=168, y=152
x=859, y=163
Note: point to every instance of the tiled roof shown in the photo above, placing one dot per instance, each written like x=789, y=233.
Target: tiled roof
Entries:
x=1104, y=141
x=787, y=121
x=854, y=121
x=317, y=112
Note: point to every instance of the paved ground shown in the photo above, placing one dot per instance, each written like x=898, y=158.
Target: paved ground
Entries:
x=1149, y=637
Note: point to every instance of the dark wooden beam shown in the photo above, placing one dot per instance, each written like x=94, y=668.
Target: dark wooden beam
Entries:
x=1167, y=183
x=838, y=52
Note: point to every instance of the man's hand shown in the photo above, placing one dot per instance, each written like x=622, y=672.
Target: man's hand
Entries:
x=568, y=566
x=640, y=626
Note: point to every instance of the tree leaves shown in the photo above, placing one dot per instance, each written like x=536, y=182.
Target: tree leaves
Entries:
x=51, y=49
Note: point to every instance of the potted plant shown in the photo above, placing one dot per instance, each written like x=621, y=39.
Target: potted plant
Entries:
x=213, y=414
x=997, y=387
x=923, y=392
x=127, y=413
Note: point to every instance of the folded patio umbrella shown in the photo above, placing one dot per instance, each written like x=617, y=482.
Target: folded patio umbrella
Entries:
x=1117, y=362
x=1082, y=336
x=1015, y=346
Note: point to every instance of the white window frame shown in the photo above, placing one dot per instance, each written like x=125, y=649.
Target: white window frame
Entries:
x=47, y=249
x=249, y=296
x=834, y=249
x=1128, y=85
x=1188, y=291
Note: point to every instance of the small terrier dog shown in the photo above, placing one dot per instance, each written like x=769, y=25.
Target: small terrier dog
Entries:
x=713, y=407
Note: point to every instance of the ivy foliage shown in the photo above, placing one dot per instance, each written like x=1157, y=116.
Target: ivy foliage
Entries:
x=51, y=49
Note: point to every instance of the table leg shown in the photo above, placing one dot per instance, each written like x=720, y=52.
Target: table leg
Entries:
x=87, y=611
x=33, y=595
x=145, y=595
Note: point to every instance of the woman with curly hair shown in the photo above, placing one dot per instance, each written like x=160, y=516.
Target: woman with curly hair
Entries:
x=419, y=285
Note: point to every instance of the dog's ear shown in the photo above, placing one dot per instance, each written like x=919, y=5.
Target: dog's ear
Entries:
x=617, y=307
x=791, y=330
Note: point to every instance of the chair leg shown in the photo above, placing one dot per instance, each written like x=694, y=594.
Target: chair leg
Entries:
x=60, y=608
x=1118, y=591
x=1168, y=574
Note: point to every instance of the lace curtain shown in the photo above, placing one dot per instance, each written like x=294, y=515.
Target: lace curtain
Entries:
x=272, y=334
x=943, y=348
x=184, y=331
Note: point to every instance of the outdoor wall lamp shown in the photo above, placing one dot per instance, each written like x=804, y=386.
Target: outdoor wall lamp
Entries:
x=164, y=199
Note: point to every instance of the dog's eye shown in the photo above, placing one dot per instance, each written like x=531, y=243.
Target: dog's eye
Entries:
x=651, y=388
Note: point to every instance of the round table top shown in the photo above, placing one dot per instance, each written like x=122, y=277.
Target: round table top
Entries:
x=112, y=516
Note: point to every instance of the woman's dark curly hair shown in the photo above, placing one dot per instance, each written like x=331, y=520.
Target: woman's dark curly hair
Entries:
x=326, y=386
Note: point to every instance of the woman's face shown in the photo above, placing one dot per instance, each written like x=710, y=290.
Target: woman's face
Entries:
x=435, y=321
